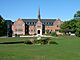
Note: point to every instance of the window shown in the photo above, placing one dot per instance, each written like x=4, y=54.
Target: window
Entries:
x=43, y=22
x=33, y=23
x=27, y=22
x=49, y=23
x=31, y=30
x=30, y=22
x=19, y=30
x=38, y=26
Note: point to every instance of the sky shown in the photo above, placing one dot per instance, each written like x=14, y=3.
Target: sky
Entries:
x=49, y=9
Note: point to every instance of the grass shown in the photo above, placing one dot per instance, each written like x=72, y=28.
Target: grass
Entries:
x=12, y=39
x=68, y=48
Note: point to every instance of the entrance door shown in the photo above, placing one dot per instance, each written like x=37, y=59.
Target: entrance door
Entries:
x=38, y=31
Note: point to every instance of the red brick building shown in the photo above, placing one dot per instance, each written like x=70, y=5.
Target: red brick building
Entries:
x=35, y=26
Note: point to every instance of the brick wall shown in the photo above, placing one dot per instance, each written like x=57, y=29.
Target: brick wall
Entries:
x=56, y=26
x=32, y=30
x=18, y=27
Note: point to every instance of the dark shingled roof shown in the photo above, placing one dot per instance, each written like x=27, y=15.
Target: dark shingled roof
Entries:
x=8, y=22
x=47, y=22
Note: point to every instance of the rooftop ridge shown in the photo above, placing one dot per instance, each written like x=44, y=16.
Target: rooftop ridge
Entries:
x=43, y=19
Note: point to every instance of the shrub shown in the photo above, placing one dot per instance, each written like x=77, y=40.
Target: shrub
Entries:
x=42, y=41
x=53, y=42
x=17, y=35
x=77, y=34
x=46, y=41
x=28, y=42
x=53, y=34
x=37, y=41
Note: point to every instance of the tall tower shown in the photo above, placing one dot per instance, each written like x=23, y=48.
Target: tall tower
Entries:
x=39, y=25
x=39, y=14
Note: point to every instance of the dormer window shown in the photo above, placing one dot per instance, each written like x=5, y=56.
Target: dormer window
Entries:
x=27, y=22
x=43, y=22
x=30, y=22
x=33, y=23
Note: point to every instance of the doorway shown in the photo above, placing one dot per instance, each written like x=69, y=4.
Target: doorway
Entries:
x=38, y=31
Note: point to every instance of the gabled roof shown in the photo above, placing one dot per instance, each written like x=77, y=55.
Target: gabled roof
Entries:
x=8, y=22
x=30, y=20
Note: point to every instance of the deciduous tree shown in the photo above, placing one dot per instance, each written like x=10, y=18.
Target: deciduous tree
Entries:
x=73, y=24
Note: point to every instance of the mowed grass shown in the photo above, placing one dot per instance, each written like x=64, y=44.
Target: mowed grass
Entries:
x=68, y=48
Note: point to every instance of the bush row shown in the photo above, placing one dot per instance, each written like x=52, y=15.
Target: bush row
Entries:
x=41, y=41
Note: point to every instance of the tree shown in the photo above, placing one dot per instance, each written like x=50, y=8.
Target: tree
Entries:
x=2, y=26
x=77, y=27
x=73, y=24
x=77, y=14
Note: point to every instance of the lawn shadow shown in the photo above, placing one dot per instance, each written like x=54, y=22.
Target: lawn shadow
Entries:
x=12, y=42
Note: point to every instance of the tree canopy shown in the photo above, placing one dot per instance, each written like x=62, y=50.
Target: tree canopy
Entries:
x=73, y=24
x=77, y=14
x=2, y=26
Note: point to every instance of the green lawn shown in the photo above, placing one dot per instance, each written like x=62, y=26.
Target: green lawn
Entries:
x=68, y=48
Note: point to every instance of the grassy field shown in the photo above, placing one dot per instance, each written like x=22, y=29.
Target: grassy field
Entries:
x=68, y=48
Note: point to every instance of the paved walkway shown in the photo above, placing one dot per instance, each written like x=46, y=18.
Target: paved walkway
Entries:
x=36, y=36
